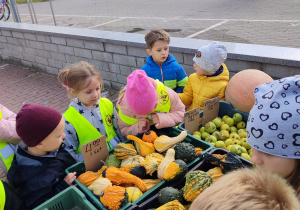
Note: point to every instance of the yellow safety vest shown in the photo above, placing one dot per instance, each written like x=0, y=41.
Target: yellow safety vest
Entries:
x=0, y=114
x=85, y=130
x=164, y=104
x=2, y=196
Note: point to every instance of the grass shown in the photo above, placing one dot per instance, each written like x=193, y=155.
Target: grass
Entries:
x=25, y=1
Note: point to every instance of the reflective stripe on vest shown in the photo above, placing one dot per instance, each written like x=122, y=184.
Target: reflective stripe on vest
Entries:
x=0, y=114
x=2, y=196
x=164, y=104
x=85, y=130
x=6, y=154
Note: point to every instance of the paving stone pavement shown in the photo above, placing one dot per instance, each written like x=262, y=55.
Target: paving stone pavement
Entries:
x=19, y=85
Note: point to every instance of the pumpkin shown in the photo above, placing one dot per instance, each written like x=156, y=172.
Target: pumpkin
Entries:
x=163, y=143
x=114, y=197
x=196, y=182
x=168, y=159
x=123, y=151
x=134, y=193
x=185, y=151
x=168, y=194
x=118, y=176
x=112, y=160
x=175, y=204
x=132, y=160
x=149, y=136
x=175, y=171
x=240, y=89
x=99, y=185
x=145, y=148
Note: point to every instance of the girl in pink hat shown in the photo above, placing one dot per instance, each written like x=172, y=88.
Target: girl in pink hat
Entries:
x=146, y=101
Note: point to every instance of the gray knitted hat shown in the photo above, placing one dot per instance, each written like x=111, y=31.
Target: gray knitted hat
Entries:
x=273, y=125
x=211, y=57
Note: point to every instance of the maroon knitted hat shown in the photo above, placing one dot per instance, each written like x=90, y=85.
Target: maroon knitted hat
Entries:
x=35, y=122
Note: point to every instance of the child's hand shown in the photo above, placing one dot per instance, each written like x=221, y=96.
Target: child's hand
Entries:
x=70, y=178
x=155, y=119
x=143, y=125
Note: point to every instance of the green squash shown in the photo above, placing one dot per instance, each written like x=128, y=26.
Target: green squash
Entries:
x=168, y=194
x=112, y=160
x=185, y=151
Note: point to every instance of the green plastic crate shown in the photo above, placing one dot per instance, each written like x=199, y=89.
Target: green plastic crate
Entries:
x=225, y=108
x=79, y=167
x=70, y=198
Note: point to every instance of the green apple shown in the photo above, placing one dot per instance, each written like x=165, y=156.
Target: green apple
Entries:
x=244, y=150
x=213, y=144
x=224, y=117
x=243, y=134
x=229, y=121
x=240, y=125
x=233, y=129
x=210, y=127
x=217, y=121
x=228, y=142
x=197, y=136
x=228, y=147
x=246, y=156
x=250, y=152
x=225, y=127
x=220, y=144
x=196, y=133
x=204, y=135
x=236, y=149
x=237, y=117
x=245, y=143
x=202, y=129
x=216, y=134
x=240, y=131
x=224, y=135
x=234, y=136
x=211, y=139
x=237, y=142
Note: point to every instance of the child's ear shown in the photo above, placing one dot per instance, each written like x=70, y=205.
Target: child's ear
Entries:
x=149, y=51
x=72, y=91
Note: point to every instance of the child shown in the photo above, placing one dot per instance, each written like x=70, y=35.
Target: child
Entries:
x=38, y=168
x=248, y=189
x=145, y=100
x=162, y=65
x=273, y=128
x=8, y=139
x=209, y=80
x=88, y=117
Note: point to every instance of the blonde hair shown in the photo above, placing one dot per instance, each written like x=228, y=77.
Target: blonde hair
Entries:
x=154, y=35
x=78, y=76
x=248, y=189
x=294, y=178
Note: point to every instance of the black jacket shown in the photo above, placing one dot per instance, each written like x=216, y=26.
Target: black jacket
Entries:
x=39, y=177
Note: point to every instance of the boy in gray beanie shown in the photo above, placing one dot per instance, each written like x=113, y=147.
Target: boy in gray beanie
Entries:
x=210, y=78
x=273, y=128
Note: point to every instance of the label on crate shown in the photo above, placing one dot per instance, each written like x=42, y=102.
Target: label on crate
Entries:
x=191, y=120
x=211, y=109
x=94, y=154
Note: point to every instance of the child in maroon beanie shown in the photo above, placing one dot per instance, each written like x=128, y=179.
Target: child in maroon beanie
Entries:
x=40, y=159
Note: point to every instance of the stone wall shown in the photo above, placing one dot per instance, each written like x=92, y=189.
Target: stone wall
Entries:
x=49, y=49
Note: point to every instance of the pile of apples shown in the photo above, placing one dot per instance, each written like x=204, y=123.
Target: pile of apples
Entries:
x=228, y=133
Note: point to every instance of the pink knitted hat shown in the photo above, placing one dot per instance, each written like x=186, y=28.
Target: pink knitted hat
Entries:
x=140, y=93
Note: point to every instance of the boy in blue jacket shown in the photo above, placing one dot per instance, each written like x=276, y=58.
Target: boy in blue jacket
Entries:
x=38, y=168
x=162, y=65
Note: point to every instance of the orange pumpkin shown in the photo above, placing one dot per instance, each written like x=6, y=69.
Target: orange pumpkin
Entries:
x=240, y=89
x=149, y=136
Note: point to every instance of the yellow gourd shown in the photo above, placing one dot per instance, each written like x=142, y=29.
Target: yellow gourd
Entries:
x=163, y=143
x=150, y=183
x=99, y=185
x=168, y=159
x=152, y=162
x=172, y=205
x=145, y=147
x=134, y=193
x=123, y=151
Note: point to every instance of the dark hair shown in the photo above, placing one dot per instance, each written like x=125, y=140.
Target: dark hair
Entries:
x=154, y=35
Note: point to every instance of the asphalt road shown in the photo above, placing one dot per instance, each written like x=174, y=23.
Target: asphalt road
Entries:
x=267, y=22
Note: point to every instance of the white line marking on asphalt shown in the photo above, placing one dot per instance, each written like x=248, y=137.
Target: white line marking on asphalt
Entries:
x=38, y=20
x=4, y=65
x=207, y=29
x=106, y=23
x=296, y=24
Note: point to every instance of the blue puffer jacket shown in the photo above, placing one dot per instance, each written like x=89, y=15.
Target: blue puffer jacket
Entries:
x=39, y=177
x=171, y=73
